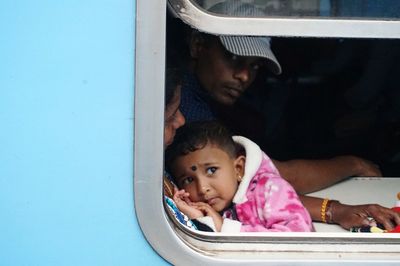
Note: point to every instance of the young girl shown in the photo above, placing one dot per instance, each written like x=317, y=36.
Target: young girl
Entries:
x=229, y=184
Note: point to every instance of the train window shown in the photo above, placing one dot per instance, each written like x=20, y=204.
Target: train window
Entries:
x=318, y=81
x=358, y=19
x=337, y=9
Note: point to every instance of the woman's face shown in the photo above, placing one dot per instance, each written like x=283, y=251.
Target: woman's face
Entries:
x=173, y=118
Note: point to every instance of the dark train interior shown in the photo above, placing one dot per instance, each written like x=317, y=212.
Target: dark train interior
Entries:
x=334, y=97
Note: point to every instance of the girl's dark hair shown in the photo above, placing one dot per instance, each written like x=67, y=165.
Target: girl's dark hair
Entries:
x=196, y=135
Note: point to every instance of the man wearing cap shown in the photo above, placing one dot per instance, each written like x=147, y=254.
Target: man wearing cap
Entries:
x=222, y=68
x=220, y=74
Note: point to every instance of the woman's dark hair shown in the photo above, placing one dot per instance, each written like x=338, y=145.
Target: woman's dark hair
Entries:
x=172, y=80
x=173, y=74
x=196, y=135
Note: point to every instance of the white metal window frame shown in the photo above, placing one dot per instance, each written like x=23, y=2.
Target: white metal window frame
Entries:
x=284, y=27
x=179, y=245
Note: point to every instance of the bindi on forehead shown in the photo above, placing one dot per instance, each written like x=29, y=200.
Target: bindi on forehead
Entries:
x=193, y=168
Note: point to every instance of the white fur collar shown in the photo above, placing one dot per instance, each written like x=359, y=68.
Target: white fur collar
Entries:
x=253, y=161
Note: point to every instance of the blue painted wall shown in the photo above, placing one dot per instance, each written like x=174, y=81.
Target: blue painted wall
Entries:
x=66, y=134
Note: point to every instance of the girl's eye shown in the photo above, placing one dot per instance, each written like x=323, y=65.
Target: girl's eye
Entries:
x=211, y=170
x=186, y=181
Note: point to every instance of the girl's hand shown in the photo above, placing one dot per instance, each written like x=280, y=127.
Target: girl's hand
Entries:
x=349, y=216
x=207, y=210
x=183, y=202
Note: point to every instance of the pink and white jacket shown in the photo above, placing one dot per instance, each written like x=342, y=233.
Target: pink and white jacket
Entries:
x=264, y=201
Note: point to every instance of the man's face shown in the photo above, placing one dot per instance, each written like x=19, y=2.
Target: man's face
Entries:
x=223, y=75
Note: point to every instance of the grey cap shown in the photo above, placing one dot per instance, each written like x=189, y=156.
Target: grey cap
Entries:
x=258, y=46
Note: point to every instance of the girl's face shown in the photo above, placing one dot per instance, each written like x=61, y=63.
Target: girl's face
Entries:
x=173, y=118
x=209, y=175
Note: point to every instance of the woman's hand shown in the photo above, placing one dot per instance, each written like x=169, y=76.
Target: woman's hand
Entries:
x=184, y=204
x=207, y=210
x=349, y=216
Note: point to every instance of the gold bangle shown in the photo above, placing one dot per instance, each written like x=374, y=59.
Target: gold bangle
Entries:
x=323, y=210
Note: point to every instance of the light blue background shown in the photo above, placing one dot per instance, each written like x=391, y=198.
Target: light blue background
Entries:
x=66, y=136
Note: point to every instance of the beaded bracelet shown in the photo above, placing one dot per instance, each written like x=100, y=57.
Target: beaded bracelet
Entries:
x=323, y=210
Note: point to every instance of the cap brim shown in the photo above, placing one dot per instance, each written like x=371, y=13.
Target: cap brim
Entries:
x=252, y=46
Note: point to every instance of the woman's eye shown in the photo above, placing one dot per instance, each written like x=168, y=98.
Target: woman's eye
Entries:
x=171, y=118
x=211, y=170
x=187, y=181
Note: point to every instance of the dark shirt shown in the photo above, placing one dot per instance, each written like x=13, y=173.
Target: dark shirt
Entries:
x=194, y=104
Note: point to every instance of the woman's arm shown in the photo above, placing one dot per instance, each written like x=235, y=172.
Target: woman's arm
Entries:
x=348, y=216
x=312, y=175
